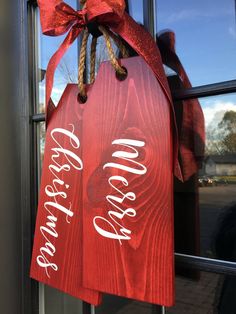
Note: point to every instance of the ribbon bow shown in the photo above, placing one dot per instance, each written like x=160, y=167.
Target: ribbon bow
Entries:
x=58, y=18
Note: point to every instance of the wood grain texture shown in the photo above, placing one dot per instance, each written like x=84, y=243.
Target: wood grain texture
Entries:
x=58, y=236
x=136, y=109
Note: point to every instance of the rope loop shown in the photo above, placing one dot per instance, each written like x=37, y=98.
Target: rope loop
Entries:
x=93, y=60
x=82, y=89
x=121, y=72
x=118, y=68
x=124, y=51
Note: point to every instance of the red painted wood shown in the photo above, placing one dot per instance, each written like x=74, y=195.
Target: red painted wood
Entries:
x=136, y=109
x=57, y=252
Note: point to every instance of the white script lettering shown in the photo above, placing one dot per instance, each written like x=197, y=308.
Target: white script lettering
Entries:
x=58, y=190
x=119, y=232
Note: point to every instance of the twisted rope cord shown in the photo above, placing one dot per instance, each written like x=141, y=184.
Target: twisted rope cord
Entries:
x=93, y=60
x=111, y=53
x=82, y=89
x=124, y=51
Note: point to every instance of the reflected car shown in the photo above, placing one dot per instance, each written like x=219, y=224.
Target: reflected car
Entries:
x=211, y=181
x=206, y=181
x=219, y=180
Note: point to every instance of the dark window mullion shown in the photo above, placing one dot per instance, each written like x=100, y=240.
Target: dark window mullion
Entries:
x=32, y=75
x=226, y=87
x=205, y=264
x=221, y=88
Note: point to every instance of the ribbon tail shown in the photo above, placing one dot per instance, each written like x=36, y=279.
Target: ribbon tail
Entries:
x=52, y=65
x=192, y=130
x=142, y=42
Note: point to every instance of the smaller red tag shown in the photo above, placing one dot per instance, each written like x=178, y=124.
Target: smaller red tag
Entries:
x=57, y=252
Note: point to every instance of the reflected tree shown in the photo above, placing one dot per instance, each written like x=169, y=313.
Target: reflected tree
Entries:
x=222, y=139
x=228, y=129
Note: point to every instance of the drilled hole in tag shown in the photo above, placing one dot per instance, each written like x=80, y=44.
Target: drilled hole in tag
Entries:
x=122, y=76
x=82, y=98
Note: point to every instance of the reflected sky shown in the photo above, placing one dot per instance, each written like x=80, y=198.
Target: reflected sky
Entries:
x=205, y=37
x=215, y=107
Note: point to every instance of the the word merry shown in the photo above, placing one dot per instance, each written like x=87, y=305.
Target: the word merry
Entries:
x=117, y=213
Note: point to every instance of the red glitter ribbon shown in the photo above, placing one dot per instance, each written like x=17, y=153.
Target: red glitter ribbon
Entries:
x=58, y=18
x=192, y=130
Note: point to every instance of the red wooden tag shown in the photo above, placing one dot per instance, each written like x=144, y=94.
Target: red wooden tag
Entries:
x=57, y=252
x=128, y=186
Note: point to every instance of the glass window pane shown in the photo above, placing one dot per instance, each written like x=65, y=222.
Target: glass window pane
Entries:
x=207, y=294
x=136, y=10
x=57, y=302
x=205, y=34
x=41, y=144
x=196, y=292
x=205, y=212
x=218, y=195
x=117, y=305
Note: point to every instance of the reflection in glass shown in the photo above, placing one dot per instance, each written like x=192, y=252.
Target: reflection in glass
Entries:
x=201, y=296
x=208, y=294
x=204, y=231
x=217, y=178
x=206, y=37
x=191, y=148
x=41, y=144
x=204, y=201
x=208, y=165
x=57, y=302
x=136, y=10
x=117, y=305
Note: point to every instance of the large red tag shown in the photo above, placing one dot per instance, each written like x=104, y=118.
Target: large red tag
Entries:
x=128, y=186
x=57, y=252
